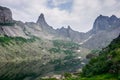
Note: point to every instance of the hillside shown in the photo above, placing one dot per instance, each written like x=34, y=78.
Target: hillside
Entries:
x=22, y=58
x=108, y=61
x=106, y=66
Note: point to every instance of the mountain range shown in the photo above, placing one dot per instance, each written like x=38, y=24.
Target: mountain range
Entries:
x=104, y=30
x=34, y=49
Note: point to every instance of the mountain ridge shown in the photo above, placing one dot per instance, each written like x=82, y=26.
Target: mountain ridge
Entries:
x=102, y=26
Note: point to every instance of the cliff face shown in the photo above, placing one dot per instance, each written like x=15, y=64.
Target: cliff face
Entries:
x=8, y=25
x=5, y=15
x=106, y=23
x=43, y=24
x=105, y=29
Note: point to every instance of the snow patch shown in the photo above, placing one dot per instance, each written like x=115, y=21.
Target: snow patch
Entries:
x=86, y=39
x=78, y=50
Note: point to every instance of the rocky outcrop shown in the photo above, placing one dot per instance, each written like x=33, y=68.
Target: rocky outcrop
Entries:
x=5, y=15
x=63, y=32
x=105, y=23
x=71, y=34
x=41, y=20
x=105, y=29
x=8, y=26
x=43, y=24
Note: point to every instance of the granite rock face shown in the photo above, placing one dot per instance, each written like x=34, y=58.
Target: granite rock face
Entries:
x=5, y=15
x=106, y=23
x=8, y=26
x=43, y=24
x=105, y=29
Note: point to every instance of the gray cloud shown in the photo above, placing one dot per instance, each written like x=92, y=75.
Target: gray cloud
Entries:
x=80, y=18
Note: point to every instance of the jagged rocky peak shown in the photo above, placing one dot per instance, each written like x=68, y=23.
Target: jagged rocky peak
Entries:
x=69, y=28
x=101, y=23
x=105, y=22
x=64, y=28
x=42, y=22
x=5, y=15
x=101, y=17
x=41, y=19
x=113, y=17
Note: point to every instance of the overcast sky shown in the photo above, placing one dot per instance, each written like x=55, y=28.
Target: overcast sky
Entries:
x=79, y=14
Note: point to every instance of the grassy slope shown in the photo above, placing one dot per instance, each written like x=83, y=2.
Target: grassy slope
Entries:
x=107, y=62
x=96, y=77
x=104, y=67
x=21, y=58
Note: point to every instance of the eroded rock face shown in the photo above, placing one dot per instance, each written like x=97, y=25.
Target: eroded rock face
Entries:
x=5, y=15
x=105, y=29
x=44, y=25
x=106, y=23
